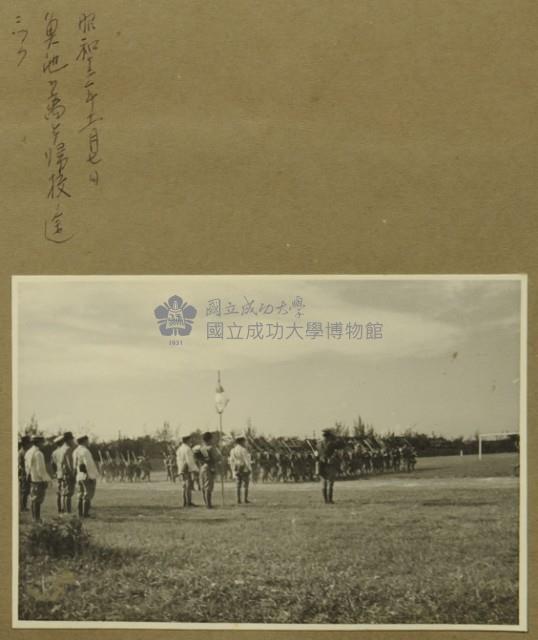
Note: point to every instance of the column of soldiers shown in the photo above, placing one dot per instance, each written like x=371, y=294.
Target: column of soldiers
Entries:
x=124, y=467
x=72, y=465
x=278, y=461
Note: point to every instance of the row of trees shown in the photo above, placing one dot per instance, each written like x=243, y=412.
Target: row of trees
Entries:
x=153, y=446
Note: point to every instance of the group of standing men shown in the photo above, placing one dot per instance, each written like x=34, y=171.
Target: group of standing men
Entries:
x=202, y=463
x=72, y=465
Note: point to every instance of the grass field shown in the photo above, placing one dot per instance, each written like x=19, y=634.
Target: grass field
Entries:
x=436, y=546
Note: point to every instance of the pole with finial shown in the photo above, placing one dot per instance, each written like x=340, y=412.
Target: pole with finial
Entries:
x=220, y=404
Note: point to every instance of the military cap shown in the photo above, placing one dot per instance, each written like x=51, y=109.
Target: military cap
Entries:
x=68, y=435
x=38, y=438
x=327, y=433
x=80, y=439
x=26, y=440
x=207, y=436
x=240, y=438
x=58, y=440
x=186, y=439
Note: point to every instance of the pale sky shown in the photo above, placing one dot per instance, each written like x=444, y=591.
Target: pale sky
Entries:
x=91, y=357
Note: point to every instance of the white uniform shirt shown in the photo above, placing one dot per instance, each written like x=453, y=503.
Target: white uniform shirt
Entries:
x=240, y=457
x=185, y=459
x=34, y=463
x=59, y=457
x=82, y=455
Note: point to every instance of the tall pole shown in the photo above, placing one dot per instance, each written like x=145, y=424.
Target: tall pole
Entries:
x=222, y=466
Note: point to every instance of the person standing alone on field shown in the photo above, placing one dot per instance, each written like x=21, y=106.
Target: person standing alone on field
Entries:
x=241, y=467
x=86, y=477
x=36, y=472
x=24, y=484
x=186, y=466
x=327, y=463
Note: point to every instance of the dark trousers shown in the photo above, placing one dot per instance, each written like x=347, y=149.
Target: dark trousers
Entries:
x=37, y=495
x=242, y=479
x=64, y=494
x=86, y=491
x=207, y=479
x=327, y=489
x=187, y=485
x=24, y=493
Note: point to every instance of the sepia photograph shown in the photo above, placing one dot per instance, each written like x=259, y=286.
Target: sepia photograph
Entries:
x=270, y=452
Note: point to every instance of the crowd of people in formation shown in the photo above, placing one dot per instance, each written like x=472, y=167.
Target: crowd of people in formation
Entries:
x=124, y=467
x=293, y=460
x=198, y=465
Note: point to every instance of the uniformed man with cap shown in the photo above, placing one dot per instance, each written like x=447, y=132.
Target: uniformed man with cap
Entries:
x=62, y=464
x=86, y=475
x=36, y=472
x=210, y=459
x=24, y=483
x=55, y=463
x=241, y=466
x=327, y=464
x=186, y=466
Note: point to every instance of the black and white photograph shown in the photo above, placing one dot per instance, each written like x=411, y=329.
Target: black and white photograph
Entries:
x=270, y=452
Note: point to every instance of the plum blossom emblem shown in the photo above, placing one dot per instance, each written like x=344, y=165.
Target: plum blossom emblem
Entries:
x=175, y=317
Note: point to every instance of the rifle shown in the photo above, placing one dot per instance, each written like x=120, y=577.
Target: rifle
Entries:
x=285, y=444
x=311, y=447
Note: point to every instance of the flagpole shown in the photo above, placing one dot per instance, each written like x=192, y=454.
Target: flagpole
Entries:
x=220, y=410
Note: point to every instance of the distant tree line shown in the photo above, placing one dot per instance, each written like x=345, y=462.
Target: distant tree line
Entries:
x=164, y=437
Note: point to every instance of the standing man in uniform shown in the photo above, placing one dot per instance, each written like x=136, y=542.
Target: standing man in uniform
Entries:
x=210, y=461
x=186, y=466
x=327, y=463
x=36, y=472
x=241, y=466
x=86, y=477
x=62, y=463
x=24, y=484
x=56, y=469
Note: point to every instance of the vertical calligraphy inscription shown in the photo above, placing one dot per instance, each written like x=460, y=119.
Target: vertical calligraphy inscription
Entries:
x=56, y=155
x=86, y=55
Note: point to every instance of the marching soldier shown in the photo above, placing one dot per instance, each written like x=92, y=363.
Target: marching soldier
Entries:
x=327, y=464
x=24, y=484
x=210, y=461
x=186, y=466
x=36, y=472
x=86, y=477
x=241, y=467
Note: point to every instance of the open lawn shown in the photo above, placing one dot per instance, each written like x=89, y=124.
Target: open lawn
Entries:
x=436, y=546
